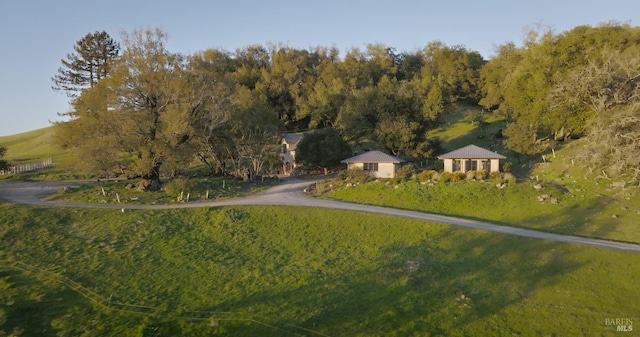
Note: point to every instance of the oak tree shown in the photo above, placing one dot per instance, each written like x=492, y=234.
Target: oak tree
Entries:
x=322, y=148
x=254, y=129
x=147, y=110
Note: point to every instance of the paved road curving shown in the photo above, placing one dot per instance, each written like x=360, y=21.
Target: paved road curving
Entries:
x=290, y=193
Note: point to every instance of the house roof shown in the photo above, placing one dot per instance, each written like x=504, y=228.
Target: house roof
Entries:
x=471, y=152
x=292, y=138
x=373, y=157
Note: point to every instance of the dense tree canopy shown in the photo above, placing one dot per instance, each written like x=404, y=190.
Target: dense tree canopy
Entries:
x=559, y=86
x=143, y=113
x=254, y=128
x=154, y=110
x=322, y=148
x=149, y=110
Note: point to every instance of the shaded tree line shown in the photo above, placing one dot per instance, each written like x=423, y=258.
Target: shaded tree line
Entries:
x=582, y=83
x=143, y=111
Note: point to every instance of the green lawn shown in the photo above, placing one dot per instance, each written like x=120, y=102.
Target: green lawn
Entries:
x=277, y=271
x=576, y=212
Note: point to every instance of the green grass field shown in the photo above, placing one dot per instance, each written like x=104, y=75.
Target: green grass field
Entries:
x=276, y=271
x=31, y=146
x=282, y=271
x=577, y=212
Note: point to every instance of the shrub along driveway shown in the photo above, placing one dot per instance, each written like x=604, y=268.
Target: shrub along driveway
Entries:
x=289, y=193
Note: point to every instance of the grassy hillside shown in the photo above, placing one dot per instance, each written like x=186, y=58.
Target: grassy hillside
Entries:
x=282, y=271
x=459, y=129
x=276, y=271
x=576, y=212
x=587, y=204
x=31, y=146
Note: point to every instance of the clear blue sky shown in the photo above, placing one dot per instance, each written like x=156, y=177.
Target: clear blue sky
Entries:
x=35, y=35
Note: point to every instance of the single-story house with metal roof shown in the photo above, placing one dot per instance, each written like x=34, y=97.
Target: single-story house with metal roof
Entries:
x=377, y=163
x=471, y=157
x=288, y=146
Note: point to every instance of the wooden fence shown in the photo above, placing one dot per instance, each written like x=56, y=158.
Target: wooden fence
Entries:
x=20, y=168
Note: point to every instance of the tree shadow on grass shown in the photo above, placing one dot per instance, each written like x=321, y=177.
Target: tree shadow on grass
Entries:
x=592, y=220
x=483, y=136
x=442, y=286
x=29, y=302
x=552, y=209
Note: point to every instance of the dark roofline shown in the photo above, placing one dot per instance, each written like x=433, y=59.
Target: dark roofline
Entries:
x=292, y=138
x=471, y=152
x=373, y=157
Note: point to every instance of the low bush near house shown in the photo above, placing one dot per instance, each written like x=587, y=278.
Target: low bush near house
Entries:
x=481, y=174
x=355, y=174
x=427, y=175
x=478, y=175
x=470, y=175
x=405, y=173
x=457, y=176
x=445, y=176
x=495, y=175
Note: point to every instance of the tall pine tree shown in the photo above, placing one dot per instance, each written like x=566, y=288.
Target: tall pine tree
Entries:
x=87, y=65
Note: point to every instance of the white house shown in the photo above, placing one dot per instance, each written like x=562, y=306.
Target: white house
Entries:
x=288, y=146
x=471, y=157
x=378, y=164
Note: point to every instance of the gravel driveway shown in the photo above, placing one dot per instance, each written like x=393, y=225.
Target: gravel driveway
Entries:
x=289, y=193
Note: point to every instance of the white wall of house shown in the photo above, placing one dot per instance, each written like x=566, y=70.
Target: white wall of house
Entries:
x=495, y=165
x=289, y=149
x=288, y=157
x=385, y=170
x=448, y=165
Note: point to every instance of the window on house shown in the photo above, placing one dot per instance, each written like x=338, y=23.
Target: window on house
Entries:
x=486, y=165
x=471, y=164
x=370, y=166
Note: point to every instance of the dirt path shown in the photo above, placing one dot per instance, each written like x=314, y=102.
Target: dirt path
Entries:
x=290, y=193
